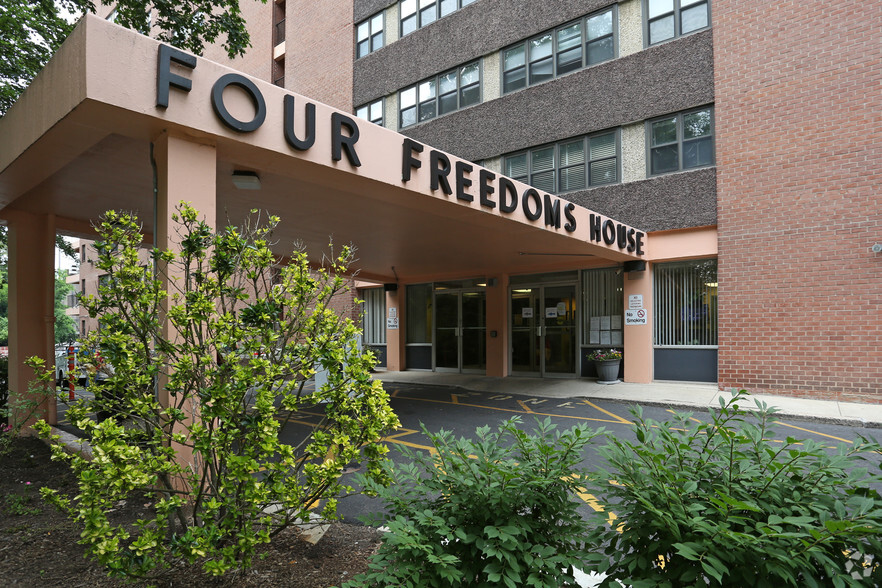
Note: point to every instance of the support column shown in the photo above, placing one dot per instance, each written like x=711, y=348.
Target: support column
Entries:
x=638, y=338
x=395, y=339
x=31, y=308
x=497, y=322
x=186, y=171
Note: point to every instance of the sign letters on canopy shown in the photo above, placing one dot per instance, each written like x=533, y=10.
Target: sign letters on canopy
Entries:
x=457, y=178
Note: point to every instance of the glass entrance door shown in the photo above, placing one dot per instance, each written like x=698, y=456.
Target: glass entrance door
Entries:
x=543, y=330
x=460, y=331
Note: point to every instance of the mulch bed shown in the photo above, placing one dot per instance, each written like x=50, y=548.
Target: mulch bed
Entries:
x=38, y=544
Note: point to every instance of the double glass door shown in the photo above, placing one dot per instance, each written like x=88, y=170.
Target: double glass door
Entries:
x=543, y=330
x=460, y=330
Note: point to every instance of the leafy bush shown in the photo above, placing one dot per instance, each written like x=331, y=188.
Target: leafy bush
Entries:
x=20, y=411
x=723, y=504
x=499, y=510
x=199, y=404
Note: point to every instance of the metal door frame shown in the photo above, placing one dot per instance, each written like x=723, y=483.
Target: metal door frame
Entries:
x=541, y=286
x=459, y=330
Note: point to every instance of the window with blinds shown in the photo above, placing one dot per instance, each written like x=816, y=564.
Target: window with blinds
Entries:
x=602, y=308
x=570, y=165
x=374, y=316
x=439, y=95
x=685, y=304
x=553, y=53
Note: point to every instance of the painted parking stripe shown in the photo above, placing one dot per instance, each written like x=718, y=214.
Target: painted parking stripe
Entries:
x=815, y=432
x=617, y=419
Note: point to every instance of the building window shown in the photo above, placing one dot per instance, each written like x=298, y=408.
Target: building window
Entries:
x=419, y=314
x=369, y=35
x=685, y=303
x=374, y=316
x=667, y=19
x=602, y=307
x=372, y=112
x=442, y=94
x=573, y=46
x=416, y=14
x=681, y=141
x=278, y=23
x=574, y=164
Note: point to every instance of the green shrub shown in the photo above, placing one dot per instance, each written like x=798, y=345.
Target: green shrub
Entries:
x=723, y=504
x=499, y=510
x=205, y=368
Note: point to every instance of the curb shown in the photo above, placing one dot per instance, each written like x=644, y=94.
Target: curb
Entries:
x=71, y=443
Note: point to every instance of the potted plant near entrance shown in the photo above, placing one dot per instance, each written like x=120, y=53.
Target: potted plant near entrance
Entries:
x=606, y=362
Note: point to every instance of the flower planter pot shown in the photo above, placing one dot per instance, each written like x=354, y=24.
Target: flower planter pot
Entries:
x=607, y=371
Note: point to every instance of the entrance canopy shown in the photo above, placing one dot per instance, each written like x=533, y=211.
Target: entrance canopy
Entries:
x=81, y=141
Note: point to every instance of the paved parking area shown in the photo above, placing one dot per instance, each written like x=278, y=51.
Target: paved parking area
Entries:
x=461, y=411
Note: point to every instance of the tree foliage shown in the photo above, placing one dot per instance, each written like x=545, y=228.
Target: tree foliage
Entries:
x=32, y=30
x=244, y=337
x=65, y=328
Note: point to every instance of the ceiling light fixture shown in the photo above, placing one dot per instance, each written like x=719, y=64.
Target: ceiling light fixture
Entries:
x=246, y=180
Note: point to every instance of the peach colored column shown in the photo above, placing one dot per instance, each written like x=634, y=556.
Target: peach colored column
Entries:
x=638, y=338
x=31, y=309
x=186, y=171
x=395, y=339
x=497, y=320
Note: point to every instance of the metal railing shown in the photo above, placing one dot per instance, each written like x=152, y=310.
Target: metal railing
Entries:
x=279, y=33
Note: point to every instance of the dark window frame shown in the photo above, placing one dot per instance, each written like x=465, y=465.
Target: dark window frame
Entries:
x=679, y=142
x=368, y=107
x=375, y=39
x=590, y=181
x=432, y=12
x=433, y=104
x=526, y=79
x=677, y=13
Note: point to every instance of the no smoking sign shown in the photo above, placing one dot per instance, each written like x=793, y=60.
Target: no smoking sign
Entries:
x=635, y=316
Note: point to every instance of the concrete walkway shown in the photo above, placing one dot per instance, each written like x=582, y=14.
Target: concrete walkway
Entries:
x=688, y=395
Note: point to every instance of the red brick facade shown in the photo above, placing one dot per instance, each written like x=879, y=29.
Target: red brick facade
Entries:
x=798, y=89
x=319, y=51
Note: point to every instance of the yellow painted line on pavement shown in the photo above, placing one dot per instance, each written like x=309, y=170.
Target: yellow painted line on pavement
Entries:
x=396, y=438
x=690, y=418
x=595, y=504
x=619, y=419
x=526, y=408
x=814, y=432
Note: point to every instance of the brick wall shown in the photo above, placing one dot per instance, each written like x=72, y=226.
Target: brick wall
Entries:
x=319, y=50
x=344, y=304
x=799, y=163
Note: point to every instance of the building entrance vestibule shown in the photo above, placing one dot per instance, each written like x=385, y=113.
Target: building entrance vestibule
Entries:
x=460, y=330
x=543, y=330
